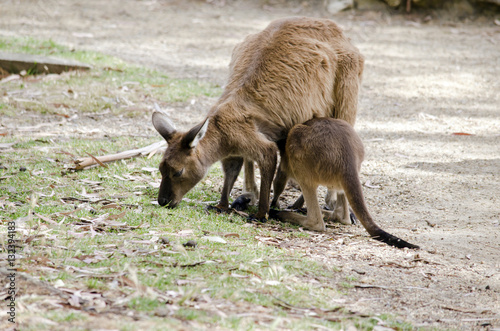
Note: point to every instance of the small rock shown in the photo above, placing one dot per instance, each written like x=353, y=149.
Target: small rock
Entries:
x=431, y=224
x=190, y=243
x=335, y=6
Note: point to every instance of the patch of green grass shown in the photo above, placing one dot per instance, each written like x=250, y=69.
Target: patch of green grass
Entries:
x=397, y=324
x=111, y=84
x=49, y=47
x=144, y=304
x=66, y=316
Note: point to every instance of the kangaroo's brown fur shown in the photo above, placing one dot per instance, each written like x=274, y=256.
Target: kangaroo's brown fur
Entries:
x=294, y=70
x=327, y=151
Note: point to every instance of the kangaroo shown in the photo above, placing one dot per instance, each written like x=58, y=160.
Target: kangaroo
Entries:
x=327, y=151
x=292, y=71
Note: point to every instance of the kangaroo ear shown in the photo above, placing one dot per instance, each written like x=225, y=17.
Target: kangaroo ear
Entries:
x=163, y=125
x=193, y=136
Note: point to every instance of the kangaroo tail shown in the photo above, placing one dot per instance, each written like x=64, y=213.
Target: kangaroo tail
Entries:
x=354, y=193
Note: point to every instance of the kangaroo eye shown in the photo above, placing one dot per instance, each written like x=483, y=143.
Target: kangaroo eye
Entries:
x=179, y=173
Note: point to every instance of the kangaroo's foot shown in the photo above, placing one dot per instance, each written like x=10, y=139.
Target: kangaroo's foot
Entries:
x=302, y=210
x=297, y=219
x=217, y=209
x=253, y=218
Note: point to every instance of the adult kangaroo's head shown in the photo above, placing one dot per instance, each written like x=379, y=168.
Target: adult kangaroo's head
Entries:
x=182, y=166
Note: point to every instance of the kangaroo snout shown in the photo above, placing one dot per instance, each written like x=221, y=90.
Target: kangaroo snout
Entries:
x=165, y=202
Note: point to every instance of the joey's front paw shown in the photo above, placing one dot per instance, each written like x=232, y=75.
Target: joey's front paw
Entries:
x=241, y=203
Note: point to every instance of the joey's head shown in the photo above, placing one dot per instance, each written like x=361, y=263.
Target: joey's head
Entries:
x=181, y=167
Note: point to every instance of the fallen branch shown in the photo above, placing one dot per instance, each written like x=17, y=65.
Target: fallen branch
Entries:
x=150, y=150
x=392, y=287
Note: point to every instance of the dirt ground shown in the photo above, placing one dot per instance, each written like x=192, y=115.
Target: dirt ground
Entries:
x=429, y=116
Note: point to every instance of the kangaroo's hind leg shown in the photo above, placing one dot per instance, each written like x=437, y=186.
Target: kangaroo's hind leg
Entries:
x=313, y=220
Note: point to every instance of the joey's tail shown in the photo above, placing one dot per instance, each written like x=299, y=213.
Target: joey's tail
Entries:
x=354, y=193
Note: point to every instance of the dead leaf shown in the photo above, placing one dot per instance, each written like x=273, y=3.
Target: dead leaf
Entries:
x=88, y=195
x=68, y=213
x=83, y=35
x=185, y=233
x=91, y=182
x=46, y=219
x=149, y=169
x=74, y=300
x=116, y=216
x=92, y=232
x=76, y=234
x=268, y=240
x=6, y=145
x=235, y=235
x=369, y=184
x=111, y=205
x=216, y=239
x=462, y=134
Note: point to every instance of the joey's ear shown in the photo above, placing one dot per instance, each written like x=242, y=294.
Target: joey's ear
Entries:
x=193, y=136
x=163, y=125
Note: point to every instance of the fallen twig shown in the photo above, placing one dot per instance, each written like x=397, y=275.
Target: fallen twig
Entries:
x=87, y=162
x=468, y=311
x=391, y=287
x=97, y=160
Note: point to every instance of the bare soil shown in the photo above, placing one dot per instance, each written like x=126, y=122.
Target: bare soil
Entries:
x=429, y=118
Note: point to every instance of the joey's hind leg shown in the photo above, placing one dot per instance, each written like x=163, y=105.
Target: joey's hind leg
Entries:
x=314, y=214
x=331, y=198
x=341, y=212
x=314, y=218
